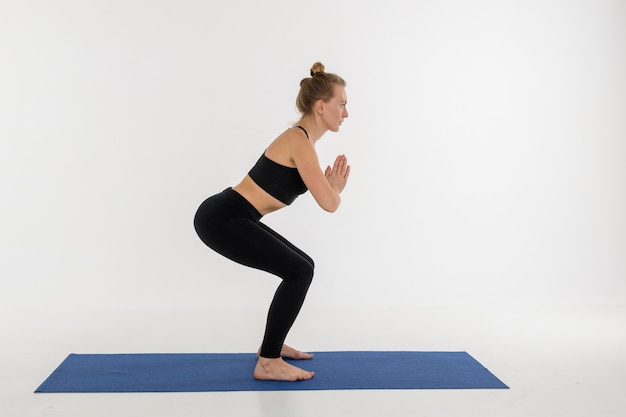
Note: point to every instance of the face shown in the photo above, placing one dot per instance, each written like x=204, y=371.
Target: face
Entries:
x=334, y=110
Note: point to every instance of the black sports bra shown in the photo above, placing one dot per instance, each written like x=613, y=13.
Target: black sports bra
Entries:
x=281, y=182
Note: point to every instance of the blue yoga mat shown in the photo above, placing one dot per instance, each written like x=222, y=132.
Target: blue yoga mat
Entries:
x=203, y=372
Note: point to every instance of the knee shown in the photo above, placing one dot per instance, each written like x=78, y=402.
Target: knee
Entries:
x=304, y=273
x=308, y=273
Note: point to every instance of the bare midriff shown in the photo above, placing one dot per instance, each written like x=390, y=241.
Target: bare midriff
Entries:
x=259, y=198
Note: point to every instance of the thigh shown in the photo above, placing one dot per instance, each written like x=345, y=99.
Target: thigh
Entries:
x=249, y=243
x=228, y=224
x=286, y=242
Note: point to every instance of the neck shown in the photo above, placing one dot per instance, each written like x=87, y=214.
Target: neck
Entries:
x=313, y=128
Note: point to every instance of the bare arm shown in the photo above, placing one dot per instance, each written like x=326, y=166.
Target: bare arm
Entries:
x=324, y=186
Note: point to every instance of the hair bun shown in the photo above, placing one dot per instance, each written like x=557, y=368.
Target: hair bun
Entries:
x=317, y=68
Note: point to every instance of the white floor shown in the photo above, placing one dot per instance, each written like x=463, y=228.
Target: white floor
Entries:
x=558, y=361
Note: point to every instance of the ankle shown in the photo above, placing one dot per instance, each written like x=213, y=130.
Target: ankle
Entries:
x=263, y=360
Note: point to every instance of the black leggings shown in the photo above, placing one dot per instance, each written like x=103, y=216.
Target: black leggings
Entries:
x=230, y=225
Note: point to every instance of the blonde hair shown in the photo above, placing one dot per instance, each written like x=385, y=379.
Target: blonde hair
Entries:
x=320, y=86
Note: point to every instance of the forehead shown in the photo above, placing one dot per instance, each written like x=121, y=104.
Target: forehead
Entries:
x=340, y=93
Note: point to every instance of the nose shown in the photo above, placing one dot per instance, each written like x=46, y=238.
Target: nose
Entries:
x=345, y=113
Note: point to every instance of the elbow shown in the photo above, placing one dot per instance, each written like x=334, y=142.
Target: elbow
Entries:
x=331, y=205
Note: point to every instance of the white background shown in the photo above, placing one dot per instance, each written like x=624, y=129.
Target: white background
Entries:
x=487, y=141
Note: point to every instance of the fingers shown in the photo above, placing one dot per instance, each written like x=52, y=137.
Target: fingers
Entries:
x=341, y=166
x=338, y=175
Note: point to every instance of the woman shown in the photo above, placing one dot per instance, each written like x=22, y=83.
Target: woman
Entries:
x=229, y=222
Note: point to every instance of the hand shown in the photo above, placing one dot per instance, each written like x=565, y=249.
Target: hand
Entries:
x=337, y=176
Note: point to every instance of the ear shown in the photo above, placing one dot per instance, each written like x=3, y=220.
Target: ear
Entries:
x=319, y=107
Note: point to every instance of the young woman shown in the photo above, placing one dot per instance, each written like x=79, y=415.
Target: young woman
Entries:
x=229, y=222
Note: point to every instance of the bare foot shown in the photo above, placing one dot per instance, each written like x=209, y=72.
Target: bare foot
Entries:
x=276, y=369
x=291, y=353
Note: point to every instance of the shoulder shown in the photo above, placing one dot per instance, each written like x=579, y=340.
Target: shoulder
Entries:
x=285, y=148
x=294, y=135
